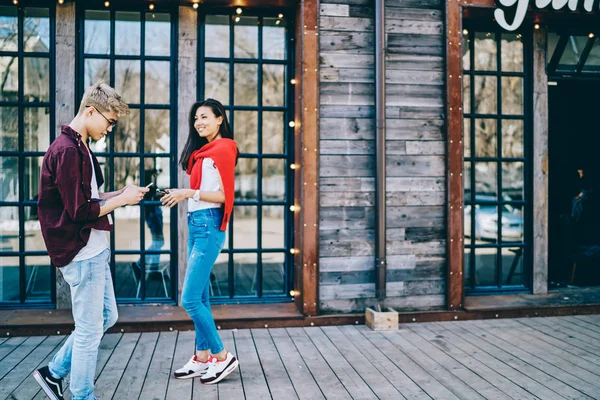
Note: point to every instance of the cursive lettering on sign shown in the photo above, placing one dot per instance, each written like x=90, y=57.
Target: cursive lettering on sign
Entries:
x=522, y=5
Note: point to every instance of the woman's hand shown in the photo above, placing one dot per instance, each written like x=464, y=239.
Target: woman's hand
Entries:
x=174, y=196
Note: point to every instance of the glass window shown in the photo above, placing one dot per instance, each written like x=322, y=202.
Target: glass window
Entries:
x=253, y=84
x=26, y=131
x=138, y=149
x=494, y=134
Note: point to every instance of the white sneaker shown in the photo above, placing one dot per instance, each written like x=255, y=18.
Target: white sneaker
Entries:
x=194, y=368
x=218, y=370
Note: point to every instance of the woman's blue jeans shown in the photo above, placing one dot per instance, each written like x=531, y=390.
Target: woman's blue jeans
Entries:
x=205, y=242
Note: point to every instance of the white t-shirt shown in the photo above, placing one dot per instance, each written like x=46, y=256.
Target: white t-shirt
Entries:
x=211, y=182
x=98, y=239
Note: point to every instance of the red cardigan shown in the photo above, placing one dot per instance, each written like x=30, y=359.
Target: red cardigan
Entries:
x=223, y=152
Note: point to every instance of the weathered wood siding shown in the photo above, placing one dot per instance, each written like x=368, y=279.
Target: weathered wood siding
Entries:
x=415, y=145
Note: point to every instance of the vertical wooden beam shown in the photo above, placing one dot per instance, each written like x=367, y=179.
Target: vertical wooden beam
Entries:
x=186, y=96
x=307, y=155
x=540, y=164
x=64, y=100
x=454, y=117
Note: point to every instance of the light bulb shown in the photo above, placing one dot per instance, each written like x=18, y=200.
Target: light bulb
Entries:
x=591, y=35
x=293, y=81
x=280, y=16
x=294, y=251
x=106, y=4
x=536, y=26
x=294, y=166
x=195, y=6
x=294, y=208
x=238, y=11
x=292, y=124
x=61, y=1
x=151, y=7
x=465, y=32
x=237, y=19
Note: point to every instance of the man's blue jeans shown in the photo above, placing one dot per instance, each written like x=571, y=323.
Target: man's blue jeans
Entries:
x=94, y=311
x=205, y=241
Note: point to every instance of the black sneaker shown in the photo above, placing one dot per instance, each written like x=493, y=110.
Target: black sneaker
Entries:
x=217, y=371
x=52, y=387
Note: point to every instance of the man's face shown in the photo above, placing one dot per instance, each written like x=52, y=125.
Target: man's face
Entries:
x=100, y=123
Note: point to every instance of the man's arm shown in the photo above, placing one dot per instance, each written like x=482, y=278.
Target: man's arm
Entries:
x=110, y=195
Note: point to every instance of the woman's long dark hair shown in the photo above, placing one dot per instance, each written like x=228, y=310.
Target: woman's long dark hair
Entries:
x=194, y=141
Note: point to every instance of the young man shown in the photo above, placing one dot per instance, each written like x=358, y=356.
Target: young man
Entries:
x=74, y=219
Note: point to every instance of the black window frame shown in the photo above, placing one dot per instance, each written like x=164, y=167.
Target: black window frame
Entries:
x=289, y=114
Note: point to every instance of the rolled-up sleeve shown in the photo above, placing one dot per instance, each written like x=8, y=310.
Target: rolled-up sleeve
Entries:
x=78, y=206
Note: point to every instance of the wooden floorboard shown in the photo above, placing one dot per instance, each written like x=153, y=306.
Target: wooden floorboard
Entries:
x=525, y=358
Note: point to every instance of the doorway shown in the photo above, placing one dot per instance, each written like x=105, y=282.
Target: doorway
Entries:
x=574, y=165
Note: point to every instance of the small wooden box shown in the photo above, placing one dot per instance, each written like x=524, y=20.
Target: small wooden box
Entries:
x=382, y=320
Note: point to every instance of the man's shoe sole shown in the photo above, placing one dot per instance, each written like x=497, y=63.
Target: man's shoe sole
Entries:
x=224, y=374
x=40, y=380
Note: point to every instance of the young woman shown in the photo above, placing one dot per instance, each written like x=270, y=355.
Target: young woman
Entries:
x=209, y=157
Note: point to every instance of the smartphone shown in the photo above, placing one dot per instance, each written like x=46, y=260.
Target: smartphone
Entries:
x=150, y=184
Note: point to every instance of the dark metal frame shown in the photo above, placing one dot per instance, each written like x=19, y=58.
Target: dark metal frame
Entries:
x=141, y=154
x=23, y=155
x=288, y=156
x=526, y=203
x=553, y=62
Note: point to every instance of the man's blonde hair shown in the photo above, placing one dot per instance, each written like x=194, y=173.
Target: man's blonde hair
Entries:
x=104, y=98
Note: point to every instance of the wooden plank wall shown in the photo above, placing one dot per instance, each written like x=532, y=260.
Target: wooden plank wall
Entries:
x=415, y=145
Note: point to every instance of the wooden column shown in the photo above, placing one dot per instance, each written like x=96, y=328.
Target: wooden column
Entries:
x=65, y=106
x=306, y=133
x=540, y=164
x=454, y=117
x=186, y=96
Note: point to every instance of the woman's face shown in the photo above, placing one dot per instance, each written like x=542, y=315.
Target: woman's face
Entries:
x=206, y=123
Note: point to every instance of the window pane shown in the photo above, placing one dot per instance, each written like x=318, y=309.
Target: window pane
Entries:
x=593, y=61
x=157, y=229
x=245, y=227
x=245, y=179
x=36, y=30
x=273, y=227
x=157, y=170
x=512, y=223
x=512, y=266
x=273, y=134
x=127, y=133
x=216, y=35
x=127, y=80
x=9, y=179
x=158, y=34
x=127, y=228
x=127, y=171
x=9, y=129
x=513, y=181
x=31, y=180
x=9, y=20
x=9, y=72
x=485, y=267
x=36, y=128
x=273, y=85
x=570, y=57
x=512, y=95
x=37, y=79
x=9, y=279
x=127, y=277
x=38, y=278
x=246, y=84
x=485, y=51
x=468, y=229
x=467, y=268
x=9, y=229
x=246, y=131
x=512, y=138
x=128, y=31
x=158, y=79
x=105, y=167
x=245, y=274
x=273, y=179
x=467, y=181
x=95, y=71
x=485, y=137
x=485, y=94
x=216, y=82
x=156, y=131
x=466, y=80
x=486, y=182
x=97, y=32
x=467, y=137
x=486, y=220
x=219, y=281
x=512, y=52
x=466, y=51
x=158, y=277
x=245, y=44
x=273, y=268
x=274, y=39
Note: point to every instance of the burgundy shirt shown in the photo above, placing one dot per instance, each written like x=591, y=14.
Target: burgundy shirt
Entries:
x=66, y=210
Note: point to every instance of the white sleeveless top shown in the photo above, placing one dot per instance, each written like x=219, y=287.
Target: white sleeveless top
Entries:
x=210, y=183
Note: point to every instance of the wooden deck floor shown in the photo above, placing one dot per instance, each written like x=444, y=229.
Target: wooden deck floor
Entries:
x=539, y=358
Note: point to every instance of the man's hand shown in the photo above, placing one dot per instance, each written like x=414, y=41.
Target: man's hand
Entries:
x=133, y=194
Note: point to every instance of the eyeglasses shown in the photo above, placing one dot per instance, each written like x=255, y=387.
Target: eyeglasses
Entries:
x=111, y=124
